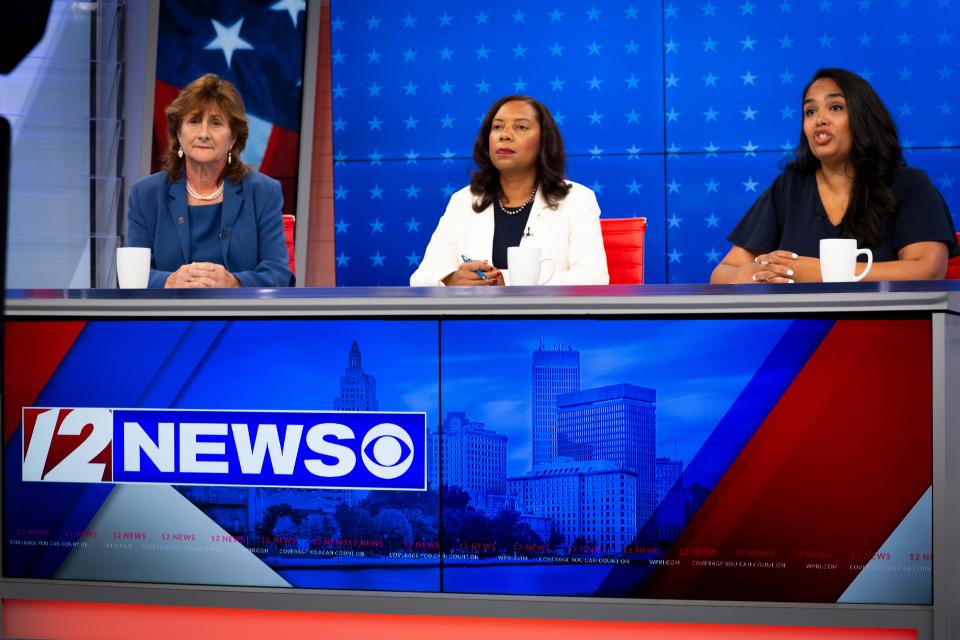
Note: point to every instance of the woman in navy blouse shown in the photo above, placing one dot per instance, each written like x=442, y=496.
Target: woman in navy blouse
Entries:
x=848, y=180
x=209, y=220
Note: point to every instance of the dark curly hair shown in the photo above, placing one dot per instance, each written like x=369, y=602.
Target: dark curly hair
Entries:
x=551, y=161
x=206, y=90
x=875, y=155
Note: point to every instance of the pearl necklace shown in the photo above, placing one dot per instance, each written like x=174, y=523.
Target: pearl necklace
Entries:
x=516, y=210
x=213, y=196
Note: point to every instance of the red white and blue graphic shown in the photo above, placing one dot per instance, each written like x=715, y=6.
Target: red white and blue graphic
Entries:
x=259, y=46
x=291, y=449
x=771, y=459
x=679, y=111
x=702, y=459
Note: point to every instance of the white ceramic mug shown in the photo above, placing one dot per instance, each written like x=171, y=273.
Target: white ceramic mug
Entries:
x=133, y=267
x=525, y=266
x=838, y=260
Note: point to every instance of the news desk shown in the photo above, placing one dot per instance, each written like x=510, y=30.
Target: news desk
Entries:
x=763, y=400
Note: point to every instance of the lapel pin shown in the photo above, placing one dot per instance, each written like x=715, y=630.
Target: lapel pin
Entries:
x=180, y=220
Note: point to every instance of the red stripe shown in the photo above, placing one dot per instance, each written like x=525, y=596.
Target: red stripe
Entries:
x=32, y=352
x=40, y=619
x=834, y=468
x=163, y=95
x=280, y=161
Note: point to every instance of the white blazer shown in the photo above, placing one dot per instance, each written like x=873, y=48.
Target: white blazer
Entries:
x=569, y=235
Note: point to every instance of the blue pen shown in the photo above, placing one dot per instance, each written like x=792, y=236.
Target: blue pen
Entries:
x=479, y=272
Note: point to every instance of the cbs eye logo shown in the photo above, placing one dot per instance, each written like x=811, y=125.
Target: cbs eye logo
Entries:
x=387, y=451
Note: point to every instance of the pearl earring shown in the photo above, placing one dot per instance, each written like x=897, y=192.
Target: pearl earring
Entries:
x=229, y=157
x=180, y=152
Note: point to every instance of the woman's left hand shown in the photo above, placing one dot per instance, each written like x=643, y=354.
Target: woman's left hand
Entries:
x=786, y=267
x=202, y=275
x=217, y=274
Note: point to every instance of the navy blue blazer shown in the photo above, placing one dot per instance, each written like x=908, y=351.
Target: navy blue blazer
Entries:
x=252, y=243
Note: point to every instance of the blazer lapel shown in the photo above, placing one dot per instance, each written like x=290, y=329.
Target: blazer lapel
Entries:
x=232, y=199
x=177, y=196
x=477, y=239
x=535, y=221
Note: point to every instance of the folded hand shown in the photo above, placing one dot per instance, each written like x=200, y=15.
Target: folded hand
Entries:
x=466, y=274
x=202, y=275
x=786, y=267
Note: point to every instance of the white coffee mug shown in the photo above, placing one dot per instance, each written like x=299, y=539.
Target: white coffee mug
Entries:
x=838, y=260
x=133, y=267
x=525, y=266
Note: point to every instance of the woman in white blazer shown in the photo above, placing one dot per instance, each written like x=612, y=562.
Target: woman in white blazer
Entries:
x=517, y=196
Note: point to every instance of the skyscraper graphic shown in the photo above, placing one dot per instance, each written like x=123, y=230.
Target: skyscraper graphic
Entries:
x=358, y=390
x=474, y=458
x=554, y=372
x=615, y=423
x=591, y=501
x=671, y=499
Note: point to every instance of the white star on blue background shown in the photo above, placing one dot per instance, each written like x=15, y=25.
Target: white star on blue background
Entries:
x=228, y=40
x=292, y=7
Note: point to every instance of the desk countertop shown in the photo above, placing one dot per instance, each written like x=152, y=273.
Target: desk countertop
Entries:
x=934, y=296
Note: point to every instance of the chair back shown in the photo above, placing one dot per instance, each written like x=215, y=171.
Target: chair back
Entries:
x=953, y=265
x=289, y=222
x=623, y=243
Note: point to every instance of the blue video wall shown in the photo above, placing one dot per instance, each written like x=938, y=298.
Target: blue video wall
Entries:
x=682, y=112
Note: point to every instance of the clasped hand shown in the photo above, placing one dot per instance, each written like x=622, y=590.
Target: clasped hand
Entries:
x=784, y=267
x=466, y=275
x=202, y=275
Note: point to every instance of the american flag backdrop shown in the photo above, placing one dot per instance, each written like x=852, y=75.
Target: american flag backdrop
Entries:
x=680, y=111
x=259, y=46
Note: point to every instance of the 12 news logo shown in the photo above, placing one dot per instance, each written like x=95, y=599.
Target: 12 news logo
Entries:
x=309, y=449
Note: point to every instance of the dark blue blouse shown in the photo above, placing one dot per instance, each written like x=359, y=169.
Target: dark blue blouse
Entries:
x=205, y=232
x=508, y=231
x=790, y=216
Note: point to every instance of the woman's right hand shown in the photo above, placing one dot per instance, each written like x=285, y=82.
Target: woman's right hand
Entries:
x=741, y=266
x=776, y=266
x=200, y=275
x=466, y=275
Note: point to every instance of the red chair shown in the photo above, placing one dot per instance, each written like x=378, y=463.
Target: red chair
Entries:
x=623, y=243
x=289, y=222
x=953, y=265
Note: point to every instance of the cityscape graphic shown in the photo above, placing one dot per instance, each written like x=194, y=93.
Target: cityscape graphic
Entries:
x=544, y=452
